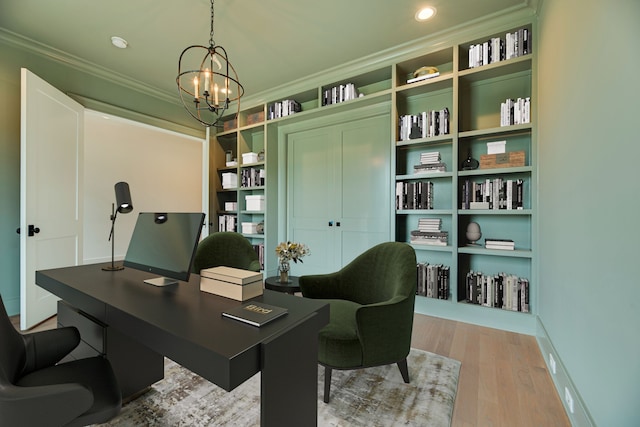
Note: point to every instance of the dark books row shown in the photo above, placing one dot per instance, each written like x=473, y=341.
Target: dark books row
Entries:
x=414, y=195
x=515, y=111
x=252, y=177
x=497, y=193
x=283, y=109
x=505, y=291
x=496, y=49
x=259, y=248
x=339, y=93
x=424, y=125
x=433, y=281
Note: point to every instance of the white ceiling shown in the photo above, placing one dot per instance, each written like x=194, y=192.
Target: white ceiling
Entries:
x=269, y=42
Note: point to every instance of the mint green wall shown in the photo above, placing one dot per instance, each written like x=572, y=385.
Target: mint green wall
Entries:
x=69, y=78
x=9, y=190
x=589, y=237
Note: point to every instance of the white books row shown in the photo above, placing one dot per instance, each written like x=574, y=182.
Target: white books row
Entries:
x=506, y=291
x=433, y=280
x=424, y=125
x=497, y=193
x=227, y=223
x=283, y=108
x=339, y=93
x=515, y=112
x=496, y=49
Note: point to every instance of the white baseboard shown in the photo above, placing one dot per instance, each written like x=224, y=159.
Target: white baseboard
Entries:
x=580, y=416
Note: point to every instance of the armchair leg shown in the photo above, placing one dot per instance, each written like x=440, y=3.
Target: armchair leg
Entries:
x=327, y=383
x=404, y=370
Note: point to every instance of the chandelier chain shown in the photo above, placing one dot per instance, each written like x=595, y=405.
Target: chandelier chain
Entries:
x=211, y=42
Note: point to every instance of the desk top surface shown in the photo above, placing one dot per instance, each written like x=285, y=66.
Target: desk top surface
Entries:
x=178, y=321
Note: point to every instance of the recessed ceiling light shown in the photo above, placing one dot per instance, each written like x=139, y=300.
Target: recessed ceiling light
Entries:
x=119, y=42
x=425, y=13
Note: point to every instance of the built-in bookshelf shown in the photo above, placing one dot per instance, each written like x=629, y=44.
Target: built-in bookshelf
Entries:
x=488, y=100
x=455, y=113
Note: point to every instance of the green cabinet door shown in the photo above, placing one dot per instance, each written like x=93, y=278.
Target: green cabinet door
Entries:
x=338, y=191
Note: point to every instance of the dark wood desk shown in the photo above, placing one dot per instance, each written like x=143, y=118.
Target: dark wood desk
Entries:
x=186, y=325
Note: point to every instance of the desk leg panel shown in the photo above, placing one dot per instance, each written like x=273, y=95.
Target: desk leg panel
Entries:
x=136, y=366
x=289, y=385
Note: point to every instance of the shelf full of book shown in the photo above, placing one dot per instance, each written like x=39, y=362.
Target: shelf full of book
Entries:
x=483, y=177
x=479, y=95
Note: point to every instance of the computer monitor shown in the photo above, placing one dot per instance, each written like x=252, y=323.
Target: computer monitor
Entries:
x=165, y=244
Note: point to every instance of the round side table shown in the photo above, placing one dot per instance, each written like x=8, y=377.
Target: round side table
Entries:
x=273, y=283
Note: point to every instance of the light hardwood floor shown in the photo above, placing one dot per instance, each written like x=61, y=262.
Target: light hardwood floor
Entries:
x=503, y=378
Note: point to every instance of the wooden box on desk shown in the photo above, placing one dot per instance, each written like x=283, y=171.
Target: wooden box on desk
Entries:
x=502, y=160
x=233, y=283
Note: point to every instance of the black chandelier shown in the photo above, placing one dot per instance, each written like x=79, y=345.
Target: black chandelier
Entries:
x=208, y=91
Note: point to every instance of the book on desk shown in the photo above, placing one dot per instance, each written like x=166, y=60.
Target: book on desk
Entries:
x=255, y=313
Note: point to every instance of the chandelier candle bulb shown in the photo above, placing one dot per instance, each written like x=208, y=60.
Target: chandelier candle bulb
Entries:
x=215, y=93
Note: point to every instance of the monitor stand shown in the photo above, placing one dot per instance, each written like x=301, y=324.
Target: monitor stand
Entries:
x=161, y=281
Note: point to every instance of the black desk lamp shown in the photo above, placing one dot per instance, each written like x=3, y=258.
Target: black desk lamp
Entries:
x=123, y=200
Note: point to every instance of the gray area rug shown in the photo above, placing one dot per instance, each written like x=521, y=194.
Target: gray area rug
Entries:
x=366, y=397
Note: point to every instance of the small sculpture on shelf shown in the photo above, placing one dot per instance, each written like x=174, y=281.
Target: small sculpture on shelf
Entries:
x=286, y=252
x=469, y=163
x=473, y=233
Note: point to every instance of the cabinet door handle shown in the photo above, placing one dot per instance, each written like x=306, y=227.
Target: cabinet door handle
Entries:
x=330, y=223
x=338, y=224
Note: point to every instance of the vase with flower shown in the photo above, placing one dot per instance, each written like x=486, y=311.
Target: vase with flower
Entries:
x=287, y=252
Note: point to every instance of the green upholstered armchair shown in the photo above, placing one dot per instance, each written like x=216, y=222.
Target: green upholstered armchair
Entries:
x=225, y=249
x=372, y=302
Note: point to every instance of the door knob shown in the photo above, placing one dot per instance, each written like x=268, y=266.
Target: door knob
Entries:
x=33, y=230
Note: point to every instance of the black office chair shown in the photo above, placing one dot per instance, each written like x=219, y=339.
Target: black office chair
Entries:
x=35, y=391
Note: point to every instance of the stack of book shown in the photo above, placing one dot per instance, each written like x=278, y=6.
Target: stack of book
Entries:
x=424, y=125
x=430, y=162
x=414, y=195
x=429, y=233
x=503, y=244
x=433, y=281
x=505, y=291
x=231, y=282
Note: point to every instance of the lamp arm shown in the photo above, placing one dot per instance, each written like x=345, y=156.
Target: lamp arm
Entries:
x=114, y=214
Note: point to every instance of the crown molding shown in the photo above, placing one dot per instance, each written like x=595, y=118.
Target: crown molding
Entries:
x=35, y=47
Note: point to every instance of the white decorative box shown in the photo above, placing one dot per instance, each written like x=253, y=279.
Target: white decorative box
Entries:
x=255, y=203
x=249, y=158
x=230, y=206
x=233, y=283
x=249, y=228
x=229, y=180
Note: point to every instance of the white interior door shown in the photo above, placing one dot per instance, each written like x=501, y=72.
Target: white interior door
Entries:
x=51, y=176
